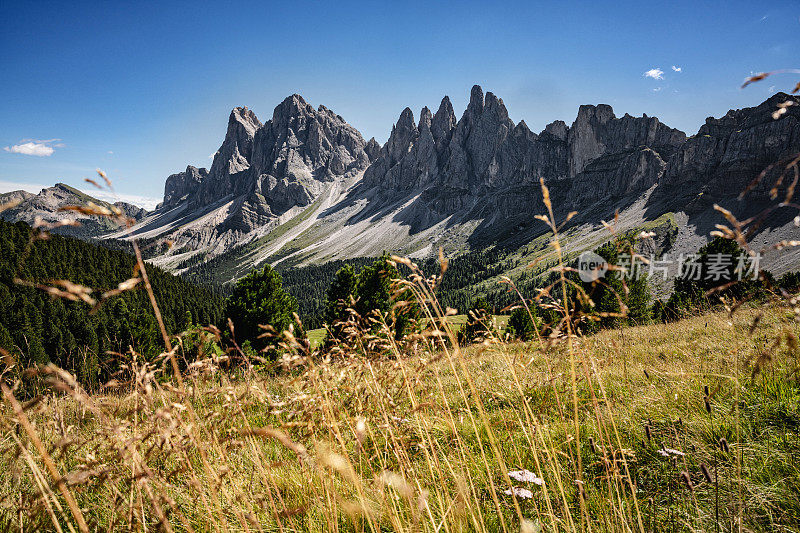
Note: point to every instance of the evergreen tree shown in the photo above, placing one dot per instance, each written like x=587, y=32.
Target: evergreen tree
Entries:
x=374, y=287
x=520, y=324
x=616, y=293
x=715, y=274
x=478, y=324
x=259, y=299
x=41, y=329
x=340, y=295
x=375, y=291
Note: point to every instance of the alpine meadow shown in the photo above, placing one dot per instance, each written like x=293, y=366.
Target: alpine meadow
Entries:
x=457, y=324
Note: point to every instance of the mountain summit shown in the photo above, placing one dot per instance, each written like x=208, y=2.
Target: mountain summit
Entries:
x=305, y=186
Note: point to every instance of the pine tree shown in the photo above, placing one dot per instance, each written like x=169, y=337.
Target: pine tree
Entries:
x=259, y=299
x=339, y=299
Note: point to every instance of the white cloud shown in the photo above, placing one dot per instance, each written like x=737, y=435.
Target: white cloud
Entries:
x=655, y=73
x=110, y=152
x=135, y=199
x=676, y=69
x=31, y=148
x=657, y=89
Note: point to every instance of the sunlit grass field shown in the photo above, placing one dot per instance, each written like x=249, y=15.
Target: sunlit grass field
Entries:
x=653, y=428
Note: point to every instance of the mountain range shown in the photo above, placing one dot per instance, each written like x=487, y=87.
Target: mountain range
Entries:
x=304, y=187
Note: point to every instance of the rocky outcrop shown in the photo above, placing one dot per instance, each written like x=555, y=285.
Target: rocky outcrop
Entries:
x=616, y=175
x=227, y=174
x=729, y=152
x=131, y=211
x=440, y=178
x=267, y=169
x=484, y=155
x=597, y=132
x=15, y=197
x=180, y=185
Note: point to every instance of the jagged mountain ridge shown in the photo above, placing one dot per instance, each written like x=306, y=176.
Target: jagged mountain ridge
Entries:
x=272, y=167
x=305, y=187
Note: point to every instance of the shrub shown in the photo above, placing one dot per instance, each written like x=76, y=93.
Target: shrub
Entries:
x=615, y=295
x=520, y=324
x=479, y=322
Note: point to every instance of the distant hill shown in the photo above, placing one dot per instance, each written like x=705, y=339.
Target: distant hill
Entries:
x=46, y=206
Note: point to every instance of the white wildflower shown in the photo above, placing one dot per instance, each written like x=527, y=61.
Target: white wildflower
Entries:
x=666, y=452
x=519, y=492
x=526, y=476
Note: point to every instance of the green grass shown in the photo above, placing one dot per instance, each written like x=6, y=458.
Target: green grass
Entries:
x=316, y=336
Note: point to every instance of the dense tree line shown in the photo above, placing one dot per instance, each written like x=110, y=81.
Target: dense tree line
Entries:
x=37, y=328
x=309, y=285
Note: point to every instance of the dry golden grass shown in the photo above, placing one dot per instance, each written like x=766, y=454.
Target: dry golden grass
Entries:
x=426, y=442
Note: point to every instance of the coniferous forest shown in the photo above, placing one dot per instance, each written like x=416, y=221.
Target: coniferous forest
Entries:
x=37, y=328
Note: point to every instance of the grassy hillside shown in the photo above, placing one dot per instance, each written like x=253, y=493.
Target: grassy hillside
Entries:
x=649, y=428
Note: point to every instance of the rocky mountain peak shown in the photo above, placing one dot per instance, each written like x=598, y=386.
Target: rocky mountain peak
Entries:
x=475, y=100
x=425, y=118
x=736, y=119
x=597, y=131
x=729, y=152
x=372, y=149
x=406, y=120
x=522, y=129
x=47, y=206
x=292, y=107
x=594, y=114
x=234, y=154
x=495, y=105
x=480, y=172
x=403, y=135
x=244, y=118
x=443, y=123
x=557, y=129
x=178, y=186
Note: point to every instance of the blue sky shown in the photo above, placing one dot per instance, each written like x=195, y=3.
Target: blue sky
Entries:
x=141, y=89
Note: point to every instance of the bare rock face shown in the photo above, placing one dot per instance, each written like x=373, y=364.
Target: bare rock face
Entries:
x=15, y=196
x=231, y=161
x=180, y=185
x=729, y=152
x=597, y=132
x=372, y=149
x=485, y=157
x=131, y=211
x=267, y=169
x=618, y=174
x=481, y=171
